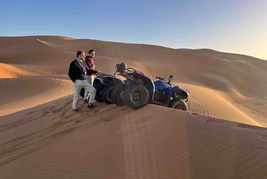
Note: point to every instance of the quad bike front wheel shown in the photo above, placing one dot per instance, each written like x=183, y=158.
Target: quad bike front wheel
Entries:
x=119, y=96
x=178, y=104
x=106, y=94
x=136, y=96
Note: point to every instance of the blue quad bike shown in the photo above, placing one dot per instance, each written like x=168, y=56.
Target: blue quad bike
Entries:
x=138, y=90
x=106, y=86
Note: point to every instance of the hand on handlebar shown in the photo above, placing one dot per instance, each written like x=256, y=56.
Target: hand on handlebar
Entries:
x=160, y=78
x=99, y=73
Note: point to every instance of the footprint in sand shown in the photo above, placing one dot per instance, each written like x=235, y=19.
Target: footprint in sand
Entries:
x=48, y=108
x=78, y=121
x=31, y=113
x=194, y=114
x=201, y=105
x=264, y=138
x=261, y=142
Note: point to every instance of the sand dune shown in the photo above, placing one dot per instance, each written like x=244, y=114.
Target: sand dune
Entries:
x=19, y=94
x=213, y=103
x=221, y=135
x=9, y=71
x=109, y=142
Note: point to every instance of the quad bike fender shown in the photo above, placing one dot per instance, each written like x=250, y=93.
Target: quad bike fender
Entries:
x=177, y=91
x=112, y=80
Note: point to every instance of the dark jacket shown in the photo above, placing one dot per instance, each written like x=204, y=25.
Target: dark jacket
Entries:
x=76, y=71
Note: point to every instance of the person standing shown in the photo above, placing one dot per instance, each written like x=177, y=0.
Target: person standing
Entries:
x=77, y=72
x=90, y=64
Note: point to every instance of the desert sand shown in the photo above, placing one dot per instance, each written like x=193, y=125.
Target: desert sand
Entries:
x=222, y=135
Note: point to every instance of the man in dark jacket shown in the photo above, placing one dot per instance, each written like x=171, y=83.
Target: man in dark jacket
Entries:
x=77, y=72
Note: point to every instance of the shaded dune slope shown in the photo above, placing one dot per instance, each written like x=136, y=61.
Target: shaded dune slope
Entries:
x=112, y=142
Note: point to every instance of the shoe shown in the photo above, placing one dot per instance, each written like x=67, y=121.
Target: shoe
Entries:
x=75, y=110
x=90, y=106
x=85, y=101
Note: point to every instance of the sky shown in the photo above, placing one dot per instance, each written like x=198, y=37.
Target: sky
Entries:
x=236, y=26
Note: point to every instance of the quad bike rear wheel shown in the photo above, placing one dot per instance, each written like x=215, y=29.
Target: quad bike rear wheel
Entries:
x=136, y=96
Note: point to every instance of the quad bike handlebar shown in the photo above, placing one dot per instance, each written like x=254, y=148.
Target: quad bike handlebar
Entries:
x=163, y=79
x=132, y=70
x=160, y=78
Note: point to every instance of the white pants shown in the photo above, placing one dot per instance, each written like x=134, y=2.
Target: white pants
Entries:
x=90, y=80
x=77, y=86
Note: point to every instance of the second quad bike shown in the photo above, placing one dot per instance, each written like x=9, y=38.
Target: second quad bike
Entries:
x=138, y=90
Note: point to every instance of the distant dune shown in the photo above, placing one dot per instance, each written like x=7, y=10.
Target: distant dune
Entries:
x=222, y=135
